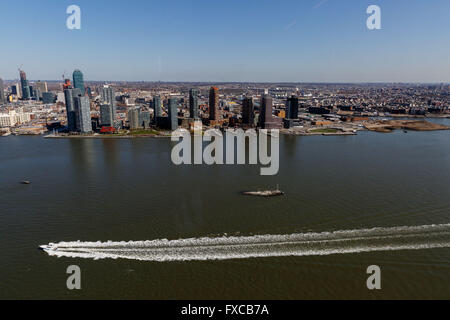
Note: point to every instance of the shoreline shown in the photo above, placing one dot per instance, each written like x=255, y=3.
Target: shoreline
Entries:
x=345, y=129
x=105, y=137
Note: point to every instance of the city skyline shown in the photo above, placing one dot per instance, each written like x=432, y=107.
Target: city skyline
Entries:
x=310, y=42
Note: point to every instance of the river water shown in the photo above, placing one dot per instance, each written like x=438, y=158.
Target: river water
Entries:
x=196, y=237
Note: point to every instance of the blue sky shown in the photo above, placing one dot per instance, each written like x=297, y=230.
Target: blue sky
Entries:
x=232, y=40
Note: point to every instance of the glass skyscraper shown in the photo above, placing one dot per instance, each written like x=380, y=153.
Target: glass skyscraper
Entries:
x=292, y=108
x=214, y=103
x=25, y=86
x=106, y=115
x=173, y=113
x=69, y=95
x=248, y=112
x=265, y=114
x=193, y=103
x=15, y=90
x=83, y=114
x=78, y=81
x=157, y=106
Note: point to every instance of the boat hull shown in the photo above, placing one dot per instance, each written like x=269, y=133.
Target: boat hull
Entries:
x=264, y=194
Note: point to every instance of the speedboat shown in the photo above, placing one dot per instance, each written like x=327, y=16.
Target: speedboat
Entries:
x=47, y=248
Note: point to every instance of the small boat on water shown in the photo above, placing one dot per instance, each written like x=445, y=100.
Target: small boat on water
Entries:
x=266, y=193
x=47, y=248
x=25, y=182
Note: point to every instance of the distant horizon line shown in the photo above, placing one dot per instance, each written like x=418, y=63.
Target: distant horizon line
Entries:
x=242, y=82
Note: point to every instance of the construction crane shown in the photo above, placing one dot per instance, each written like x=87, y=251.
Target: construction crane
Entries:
x=20, y=69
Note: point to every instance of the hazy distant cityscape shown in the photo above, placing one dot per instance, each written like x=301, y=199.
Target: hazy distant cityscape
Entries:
x=76, y=107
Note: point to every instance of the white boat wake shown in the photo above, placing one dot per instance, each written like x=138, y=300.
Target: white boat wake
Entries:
x=259, y=246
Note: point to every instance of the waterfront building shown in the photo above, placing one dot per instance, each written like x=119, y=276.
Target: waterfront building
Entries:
x=70, y=109
x=248, y=115
x=13, y=118
x=173, y=113
x=193, y=103
x=145, y=119
x=266, y=119
x=78, y=81
x=214, y=103
x=109, y=97
x=157, y=107
x=292, y=108
x=134, y=115
x=106, y=115
x=83, y=114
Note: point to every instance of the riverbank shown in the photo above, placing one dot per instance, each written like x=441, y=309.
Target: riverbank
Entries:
x=428, y=115
x=387, y=126
x=123, y=135
x=101, y=136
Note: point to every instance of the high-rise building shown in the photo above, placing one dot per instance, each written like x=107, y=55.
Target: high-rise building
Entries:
x=48, y=98
x=42, y=86
x=15, y=89
x=292, y=108
x=134, y=114
x=36, y=93
x=69, y=95
x=193, y=103
x=172, y=110
x=108, y=94
x=265, y=113
x=78, y=81
x=248, y=115
x=157, y=108
x=144, y=119
x=266, y=119
x=109, y=97
x=83, y=114
x=106, y=115
x=25, y=86
x=214, y=103
x=2, y=91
